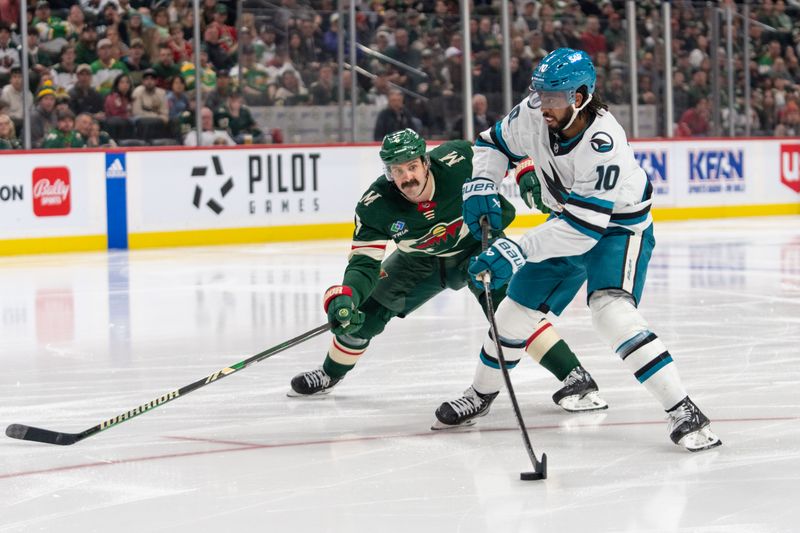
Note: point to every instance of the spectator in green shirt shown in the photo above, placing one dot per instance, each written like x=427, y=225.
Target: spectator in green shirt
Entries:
x=63, y=136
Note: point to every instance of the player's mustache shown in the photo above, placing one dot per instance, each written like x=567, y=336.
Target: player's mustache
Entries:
x=411, y=183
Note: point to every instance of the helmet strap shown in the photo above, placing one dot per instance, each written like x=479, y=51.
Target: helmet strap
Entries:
x=575, y=111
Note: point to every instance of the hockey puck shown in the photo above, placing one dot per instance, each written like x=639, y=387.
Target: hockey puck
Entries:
x=532, y=476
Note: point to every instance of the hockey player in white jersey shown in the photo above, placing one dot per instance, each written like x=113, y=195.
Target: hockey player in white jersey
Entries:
x=600, y=231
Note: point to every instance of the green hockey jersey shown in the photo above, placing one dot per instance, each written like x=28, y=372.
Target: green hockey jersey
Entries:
x=433, y=228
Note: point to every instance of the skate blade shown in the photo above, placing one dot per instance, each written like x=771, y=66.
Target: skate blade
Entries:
x=321, y=394
x=440, y=426
x=703, y=439
x=588, y=402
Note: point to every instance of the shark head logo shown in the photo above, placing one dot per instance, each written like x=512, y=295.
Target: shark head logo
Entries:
x=602, y=142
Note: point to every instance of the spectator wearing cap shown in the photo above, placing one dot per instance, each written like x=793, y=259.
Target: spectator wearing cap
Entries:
x=254, y=77
x=434, y=83
x=165, y=68
x=413, y=25
x=86, y=49
x=65, y=72
x=227, y=34
x=52, y=30
x=209, y=136
x=106, y=69
x=149, y=100
x=330, y=39
x=13, y=95
x=83, y=98
x=135, y=61
x=63, y=135
x=8, y=134
x=90, y=131
x=9, y=53
x=453, y=71
x=208, y=77
x=43, y=117
x=217, y=55
x=219, y=95
x=395, y=117
x=119, y=102
x=266, y=45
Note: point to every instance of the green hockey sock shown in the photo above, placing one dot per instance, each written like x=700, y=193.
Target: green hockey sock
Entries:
x=560, y=360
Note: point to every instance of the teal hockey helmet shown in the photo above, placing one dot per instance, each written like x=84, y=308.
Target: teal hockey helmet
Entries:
x=560, y=74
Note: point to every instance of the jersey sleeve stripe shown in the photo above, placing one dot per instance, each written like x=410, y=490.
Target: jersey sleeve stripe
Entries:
x=628, y=220
x=484, y=144
x=375, y=253
x=590, y=230
x=370, y=244
x=592, y=204
x=497, y=136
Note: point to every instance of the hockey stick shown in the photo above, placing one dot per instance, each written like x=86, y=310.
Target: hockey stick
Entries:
x=23, y=432
x=539, y=467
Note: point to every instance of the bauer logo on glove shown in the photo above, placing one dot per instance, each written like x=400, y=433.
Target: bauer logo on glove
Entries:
x=481, y=199
x=501, y=260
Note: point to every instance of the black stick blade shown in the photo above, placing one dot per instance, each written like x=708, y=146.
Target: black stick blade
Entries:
x=539, y=473
x=23, y=432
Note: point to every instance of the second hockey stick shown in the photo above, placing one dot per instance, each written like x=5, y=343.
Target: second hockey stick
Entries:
x=539, y=467
x=23, y=432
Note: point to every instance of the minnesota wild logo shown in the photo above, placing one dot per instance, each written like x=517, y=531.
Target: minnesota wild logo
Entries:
x=441, y=237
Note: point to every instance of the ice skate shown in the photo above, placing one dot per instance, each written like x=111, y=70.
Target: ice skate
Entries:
x=463, y=411
x=579, y=393
x=690, y=428
x=312, y=383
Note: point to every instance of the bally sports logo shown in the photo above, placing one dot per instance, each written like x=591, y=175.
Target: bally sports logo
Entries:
x=51, y=191
x=790, y=166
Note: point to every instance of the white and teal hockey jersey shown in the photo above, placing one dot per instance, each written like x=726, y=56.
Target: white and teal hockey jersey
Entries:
x=591, y=182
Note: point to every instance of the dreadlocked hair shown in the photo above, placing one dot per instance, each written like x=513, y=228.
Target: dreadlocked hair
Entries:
x=594, y=107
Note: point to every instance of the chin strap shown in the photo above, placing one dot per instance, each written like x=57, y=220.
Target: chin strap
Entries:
x=575, y=112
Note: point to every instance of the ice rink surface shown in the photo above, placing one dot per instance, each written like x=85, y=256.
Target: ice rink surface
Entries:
x=85, y=337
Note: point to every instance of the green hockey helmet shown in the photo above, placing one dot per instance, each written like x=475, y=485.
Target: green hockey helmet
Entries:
x=400, y=147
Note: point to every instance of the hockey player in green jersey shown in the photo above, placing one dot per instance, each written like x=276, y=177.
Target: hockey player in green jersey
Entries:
x=417, y=204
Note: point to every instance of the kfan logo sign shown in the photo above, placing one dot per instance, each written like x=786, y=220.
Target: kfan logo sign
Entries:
x=790, y=166
x=716, y=171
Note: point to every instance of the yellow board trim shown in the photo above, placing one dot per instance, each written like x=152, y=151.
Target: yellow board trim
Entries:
x=52, y=245
x=309, y=232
